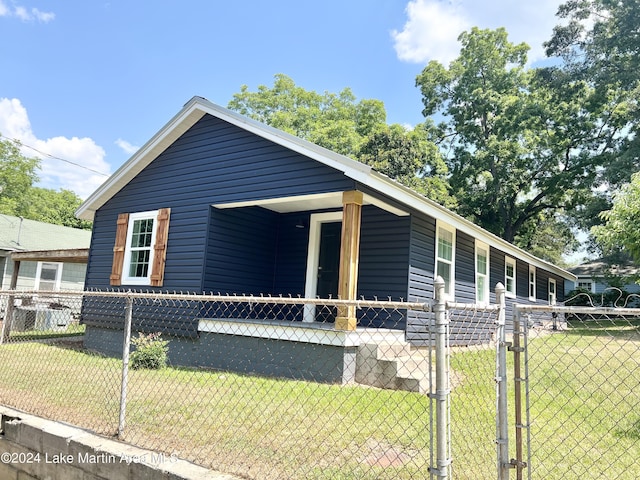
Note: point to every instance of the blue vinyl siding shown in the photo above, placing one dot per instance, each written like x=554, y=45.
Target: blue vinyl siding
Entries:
x=465, y=289
x=241, y=251
x=383, y=265
x=213, y=162
x=421, y=265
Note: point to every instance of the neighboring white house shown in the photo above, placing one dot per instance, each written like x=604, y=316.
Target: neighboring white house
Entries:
x=50, y=257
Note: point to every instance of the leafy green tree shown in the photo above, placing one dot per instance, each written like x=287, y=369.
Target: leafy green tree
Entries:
x=17, y=174
x=51, y=206
x=620, y=232
x=333, y=121
x=353, y=128
x=599, y=42
x=522, y=145
x=410, y=158
x=19, y=197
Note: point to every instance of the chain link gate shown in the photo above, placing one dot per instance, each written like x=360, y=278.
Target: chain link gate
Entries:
x=576, y=395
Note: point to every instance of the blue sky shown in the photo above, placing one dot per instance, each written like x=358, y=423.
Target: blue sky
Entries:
x=89, y=81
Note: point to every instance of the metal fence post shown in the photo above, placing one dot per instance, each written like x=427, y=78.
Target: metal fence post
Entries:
x=443, y=460
x=517, y=349
x=502, y=418
x=125, y=364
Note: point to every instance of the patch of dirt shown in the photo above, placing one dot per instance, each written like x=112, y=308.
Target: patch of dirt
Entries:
x=384, y=455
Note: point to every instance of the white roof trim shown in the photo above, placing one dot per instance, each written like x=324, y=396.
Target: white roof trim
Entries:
x=317, y=201
x=197, y=107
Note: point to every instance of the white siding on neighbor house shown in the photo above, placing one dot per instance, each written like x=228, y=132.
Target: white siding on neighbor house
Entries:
x=72, y=276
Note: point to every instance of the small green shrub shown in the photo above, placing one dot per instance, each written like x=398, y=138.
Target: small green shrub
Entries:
x=150, y=352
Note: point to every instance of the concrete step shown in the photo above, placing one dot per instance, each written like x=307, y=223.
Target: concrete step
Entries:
x=392, y=365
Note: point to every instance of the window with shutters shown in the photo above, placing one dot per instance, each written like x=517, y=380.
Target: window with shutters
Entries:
x=140, y=248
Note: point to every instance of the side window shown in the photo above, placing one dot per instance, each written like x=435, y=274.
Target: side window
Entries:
x=482, y=272
x=532, y=282
x=138, y=254
x=48, y=276
x=510, y=276
x=552, y=291
x=140, y=248
x=445, y=256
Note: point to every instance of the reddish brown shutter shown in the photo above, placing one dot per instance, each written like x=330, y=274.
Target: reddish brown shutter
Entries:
x=160, y=248
x=118, y=249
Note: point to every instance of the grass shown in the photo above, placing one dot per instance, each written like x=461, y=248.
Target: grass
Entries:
x=584, y=409
x=73, y=329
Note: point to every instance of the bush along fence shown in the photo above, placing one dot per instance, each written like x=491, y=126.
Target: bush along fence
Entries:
x=265, y=387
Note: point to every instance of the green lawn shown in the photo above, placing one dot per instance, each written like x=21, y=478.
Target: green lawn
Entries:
x=584, y=410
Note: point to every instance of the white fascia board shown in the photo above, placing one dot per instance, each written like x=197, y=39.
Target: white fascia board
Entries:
x=425, y=205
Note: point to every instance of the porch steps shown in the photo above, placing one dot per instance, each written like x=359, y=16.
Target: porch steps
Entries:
x=392, y=365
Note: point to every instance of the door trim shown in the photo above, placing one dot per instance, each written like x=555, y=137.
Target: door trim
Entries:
x=313, y=255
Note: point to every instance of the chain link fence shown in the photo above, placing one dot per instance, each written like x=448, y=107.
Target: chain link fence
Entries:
x=258, y=387
x=582, y=371
x=473, y=338
x=267, y=388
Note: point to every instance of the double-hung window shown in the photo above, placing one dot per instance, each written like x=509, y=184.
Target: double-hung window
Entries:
x=552, y=291
x=510, y=276
x=445, y=256
x=140, y=248
x=532, y=283
x=138, y=256
x=482, y=272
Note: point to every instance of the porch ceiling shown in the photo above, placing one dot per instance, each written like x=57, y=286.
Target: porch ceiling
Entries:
x=302, y=203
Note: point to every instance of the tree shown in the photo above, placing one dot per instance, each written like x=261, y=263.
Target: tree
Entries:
x=620, y=233
x=353, y=128
x=599, y=43
x=20, y=198
x=51, y=206
x=411, y=158
x=521, y=144
x=17, y=174
x=333, y=121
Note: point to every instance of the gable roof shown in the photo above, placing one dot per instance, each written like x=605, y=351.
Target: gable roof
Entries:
x=599, y=267
x=21, y=234
x=198, y=107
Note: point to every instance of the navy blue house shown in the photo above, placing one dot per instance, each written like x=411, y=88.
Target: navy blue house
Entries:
x=216, y=202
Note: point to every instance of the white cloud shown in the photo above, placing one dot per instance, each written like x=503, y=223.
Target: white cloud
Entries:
x=25, y=14
x=55, y=173
x=128, y=148
x=433, y=26
x=431, y=32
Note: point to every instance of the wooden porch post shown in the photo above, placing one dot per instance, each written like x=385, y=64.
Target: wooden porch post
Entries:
x=8, y=317
x=349, y=253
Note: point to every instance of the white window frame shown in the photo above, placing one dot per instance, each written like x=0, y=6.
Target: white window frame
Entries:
x=591, y=283
x=482, y=276
x=532, y=283
x=58, y=278
x=510, y=292
x=126, y=266
x=450, y=285
x=553, y=293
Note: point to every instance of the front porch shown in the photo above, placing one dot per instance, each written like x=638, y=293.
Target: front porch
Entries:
x=344, y=245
